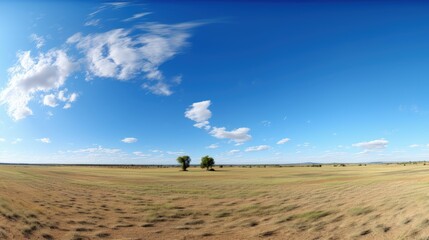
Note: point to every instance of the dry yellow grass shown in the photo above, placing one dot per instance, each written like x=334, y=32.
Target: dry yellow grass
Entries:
x=353, y=202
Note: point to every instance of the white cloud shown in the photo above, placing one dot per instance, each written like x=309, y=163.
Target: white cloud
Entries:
x=67, y=106
x=239, y=135
x=117, y=4
x=136, y=16
x=61, y=96
x=212, y=146
x=2, y=140
x=234, y=151
x=372, y=145
x=49, y=100
x=199, y=112
x=124, y=54
x=104, y=7
x=98, y=149
x=73, y=97
x=44, y=140
x=283, y=141
x=46, y=72
x=38, y=40
x=414, y=145
x=160, y=88
x=129, y=140
x=257, y=148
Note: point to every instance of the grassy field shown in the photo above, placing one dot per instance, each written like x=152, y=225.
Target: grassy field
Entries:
x=353, y=202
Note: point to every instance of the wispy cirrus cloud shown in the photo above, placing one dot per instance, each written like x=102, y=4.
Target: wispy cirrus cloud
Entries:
x=92, y=22
x=124, y=54
x=136, y=16
x=38, y=40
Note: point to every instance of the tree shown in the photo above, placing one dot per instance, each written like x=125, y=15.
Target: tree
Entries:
x=184, y=162
x=207, y=162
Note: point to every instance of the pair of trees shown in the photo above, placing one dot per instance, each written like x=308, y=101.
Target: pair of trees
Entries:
x=206, y=162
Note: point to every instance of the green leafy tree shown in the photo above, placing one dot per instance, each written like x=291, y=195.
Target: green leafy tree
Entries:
x=207, y=162
x=184, y=161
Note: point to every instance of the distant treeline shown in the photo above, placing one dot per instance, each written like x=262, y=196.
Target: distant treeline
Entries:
x=162, y=166
x=171, y=166
x=219, y=166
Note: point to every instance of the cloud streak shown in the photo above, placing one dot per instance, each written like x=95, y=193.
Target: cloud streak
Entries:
x=371, y=146
x=283, y=141
x=129, y=140
x=125, y=54
x=136, y=16
x=257, y=148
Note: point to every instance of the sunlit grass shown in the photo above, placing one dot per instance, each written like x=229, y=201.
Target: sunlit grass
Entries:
x=327, y=202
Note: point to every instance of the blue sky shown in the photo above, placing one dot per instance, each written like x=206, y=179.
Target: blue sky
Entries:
x=259, y=82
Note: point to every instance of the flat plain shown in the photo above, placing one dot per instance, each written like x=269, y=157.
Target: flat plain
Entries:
x=352, y=202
